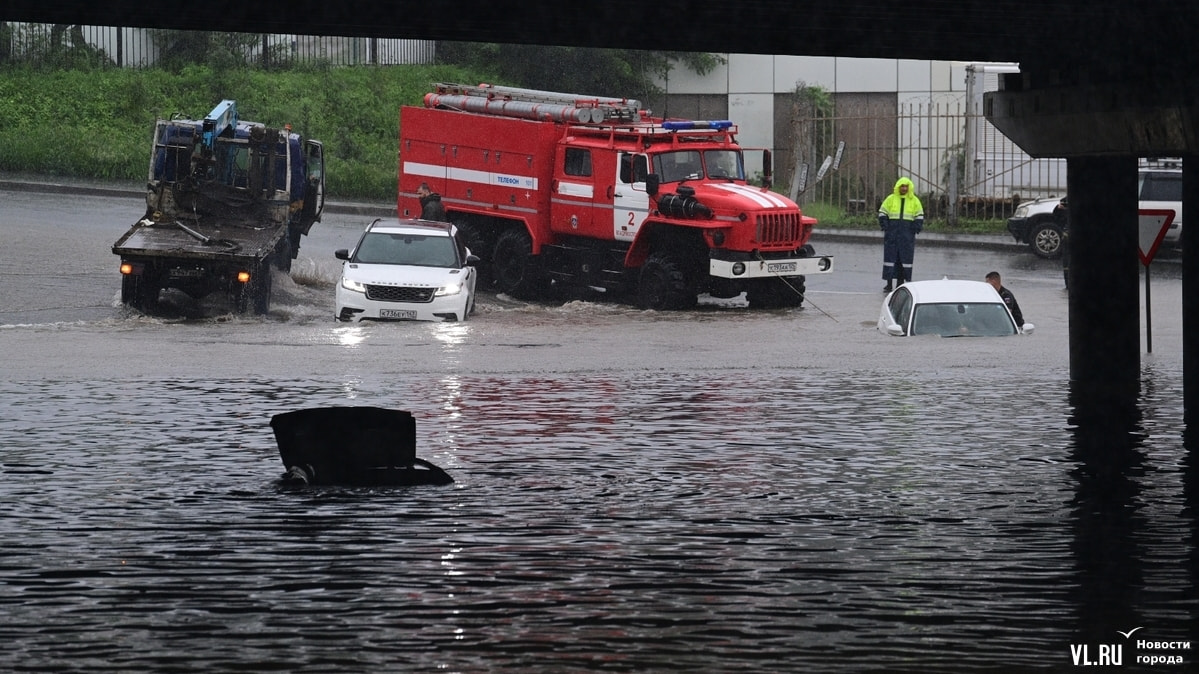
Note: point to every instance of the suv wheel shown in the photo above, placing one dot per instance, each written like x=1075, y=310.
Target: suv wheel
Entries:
x=1045, y=239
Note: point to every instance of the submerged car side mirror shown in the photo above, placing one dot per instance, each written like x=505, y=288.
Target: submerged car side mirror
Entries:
x=472, y=260
x=895, y=330
x=342, y=253
x=1027, y=328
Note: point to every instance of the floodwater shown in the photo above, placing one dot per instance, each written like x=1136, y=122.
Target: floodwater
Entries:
x=715, y=490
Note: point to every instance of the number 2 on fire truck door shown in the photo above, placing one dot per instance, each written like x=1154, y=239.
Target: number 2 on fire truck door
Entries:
x=630, y=200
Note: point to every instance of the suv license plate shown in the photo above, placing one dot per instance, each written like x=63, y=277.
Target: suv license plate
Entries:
x=775, y=267
x=408, y=314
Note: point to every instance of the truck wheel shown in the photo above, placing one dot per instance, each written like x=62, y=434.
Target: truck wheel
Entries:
x=775, y=293
x=1045, y=239
x=262, y=290
x=472, y=238
x=139, y=292
x=664, y=284
x=515, y=270
x=282, y=254
x=256, y=293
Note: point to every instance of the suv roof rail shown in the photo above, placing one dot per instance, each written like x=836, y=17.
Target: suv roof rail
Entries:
x=1161, y=162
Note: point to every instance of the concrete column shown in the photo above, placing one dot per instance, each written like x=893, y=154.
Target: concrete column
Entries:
x=1105, y=325
x=1190, y=302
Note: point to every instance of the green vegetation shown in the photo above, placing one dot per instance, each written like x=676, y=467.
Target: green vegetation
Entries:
x=96, y=123
x=835, y=217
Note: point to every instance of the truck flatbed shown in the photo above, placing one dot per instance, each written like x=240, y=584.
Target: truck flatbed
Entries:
x=198, y=240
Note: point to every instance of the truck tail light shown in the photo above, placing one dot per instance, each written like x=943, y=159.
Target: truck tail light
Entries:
x=243, y=277
x=126, y=268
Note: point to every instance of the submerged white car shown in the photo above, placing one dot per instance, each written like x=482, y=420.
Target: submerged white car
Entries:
x=947, y=308
x=406, y=270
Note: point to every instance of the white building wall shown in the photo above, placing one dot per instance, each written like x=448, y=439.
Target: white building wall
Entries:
x=751, y=81
x=779, y=74
x=813, y=71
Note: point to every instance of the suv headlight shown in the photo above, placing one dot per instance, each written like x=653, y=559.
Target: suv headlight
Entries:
x=352, y=285
x=449, y=289
x=1021, y=212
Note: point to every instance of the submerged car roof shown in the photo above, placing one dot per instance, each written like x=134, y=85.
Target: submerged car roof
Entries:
x=410, y=226
x=950, y=290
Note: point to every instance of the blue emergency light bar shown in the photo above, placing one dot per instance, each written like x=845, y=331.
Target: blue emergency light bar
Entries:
x=710, y=124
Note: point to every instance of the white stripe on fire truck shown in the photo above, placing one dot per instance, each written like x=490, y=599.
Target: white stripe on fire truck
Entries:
x=424, y=170
x=764, y=198
x=470, y=176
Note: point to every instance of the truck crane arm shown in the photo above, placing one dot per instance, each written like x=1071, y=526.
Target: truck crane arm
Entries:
x=223, y=116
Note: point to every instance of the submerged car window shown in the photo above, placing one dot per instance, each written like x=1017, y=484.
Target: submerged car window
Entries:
x=901, y=307
x=410, y=249
x=963, y=319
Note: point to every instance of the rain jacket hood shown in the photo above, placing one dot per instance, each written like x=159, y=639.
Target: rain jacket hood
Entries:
x=904, y=181
x=903, y=207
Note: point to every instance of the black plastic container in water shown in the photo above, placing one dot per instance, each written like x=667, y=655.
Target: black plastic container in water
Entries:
x=352, y=446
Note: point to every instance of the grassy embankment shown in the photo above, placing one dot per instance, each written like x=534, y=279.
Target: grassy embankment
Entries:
x=95, y=124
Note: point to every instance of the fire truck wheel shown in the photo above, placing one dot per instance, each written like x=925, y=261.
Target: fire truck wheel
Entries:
x=774, y=293
x=513, y=266
x=472, y=238
x=664, y=284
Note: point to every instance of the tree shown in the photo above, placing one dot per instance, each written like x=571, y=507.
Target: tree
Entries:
x=180, y=48
x=598, y=72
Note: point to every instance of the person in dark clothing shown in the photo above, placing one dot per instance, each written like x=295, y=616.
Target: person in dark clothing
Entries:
x=1008, y=298
x=430, y=204
x=901, y=217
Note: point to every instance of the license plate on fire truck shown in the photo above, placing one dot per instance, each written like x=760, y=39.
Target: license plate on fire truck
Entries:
x=400, y=314
x=779, y=267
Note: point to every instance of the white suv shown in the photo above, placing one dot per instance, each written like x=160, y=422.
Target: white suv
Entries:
x=1161, y=188
x=1040, y=223
x=406, y=270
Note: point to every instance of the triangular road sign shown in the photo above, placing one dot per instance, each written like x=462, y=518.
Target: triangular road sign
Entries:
x=1153, y=225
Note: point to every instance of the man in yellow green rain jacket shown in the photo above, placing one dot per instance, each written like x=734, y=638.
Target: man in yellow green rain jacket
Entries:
x=901, y=216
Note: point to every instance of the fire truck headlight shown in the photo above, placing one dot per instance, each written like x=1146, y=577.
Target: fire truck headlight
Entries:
x=449, y=289
x=738, y=268
x=352, y=285
x=824, y=264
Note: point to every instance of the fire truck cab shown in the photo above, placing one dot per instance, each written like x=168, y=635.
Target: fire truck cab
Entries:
x=551, y=188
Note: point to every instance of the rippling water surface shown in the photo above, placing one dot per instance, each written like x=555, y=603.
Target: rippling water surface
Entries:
x=717, y=490
x=650, y=522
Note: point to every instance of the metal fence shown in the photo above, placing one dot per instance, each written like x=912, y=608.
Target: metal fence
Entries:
x=145, y=47
x=960, y=164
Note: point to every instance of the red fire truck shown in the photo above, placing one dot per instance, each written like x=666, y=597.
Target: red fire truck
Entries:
x=551, y=188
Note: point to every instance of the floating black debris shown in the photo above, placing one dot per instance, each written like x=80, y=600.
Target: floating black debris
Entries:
x=352, y=446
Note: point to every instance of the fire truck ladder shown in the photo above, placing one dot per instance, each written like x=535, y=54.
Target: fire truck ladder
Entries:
x=534, y=104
